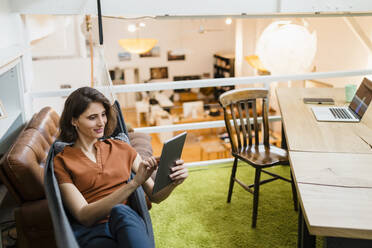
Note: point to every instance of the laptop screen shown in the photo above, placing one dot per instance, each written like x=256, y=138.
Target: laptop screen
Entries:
x=362, y=98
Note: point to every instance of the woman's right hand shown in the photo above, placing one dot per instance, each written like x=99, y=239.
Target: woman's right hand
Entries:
x=145, y=169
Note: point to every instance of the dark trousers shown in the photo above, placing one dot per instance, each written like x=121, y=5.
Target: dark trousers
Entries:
x=125, y=228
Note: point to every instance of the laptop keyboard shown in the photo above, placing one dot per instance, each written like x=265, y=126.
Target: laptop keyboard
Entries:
x=340, y=113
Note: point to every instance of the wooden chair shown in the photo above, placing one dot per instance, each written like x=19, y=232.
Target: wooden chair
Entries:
x=241, y=120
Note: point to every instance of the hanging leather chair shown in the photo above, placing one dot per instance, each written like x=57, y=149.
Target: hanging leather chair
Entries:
x=62, y=229
x=61, y=223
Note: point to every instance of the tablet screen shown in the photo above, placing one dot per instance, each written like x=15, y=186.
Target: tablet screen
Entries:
x=172, y=150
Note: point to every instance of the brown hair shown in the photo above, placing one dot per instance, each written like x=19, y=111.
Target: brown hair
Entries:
x=76, y=103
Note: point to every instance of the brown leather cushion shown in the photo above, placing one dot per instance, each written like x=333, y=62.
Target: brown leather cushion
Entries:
x=34, y=222
x=36, y=217
x=24, y=165
x=142, y=143
x=47, y=122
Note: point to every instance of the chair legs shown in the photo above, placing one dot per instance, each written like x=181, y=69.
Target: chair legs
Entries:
x=256, y=186
x=232, y=180
x=255, y=196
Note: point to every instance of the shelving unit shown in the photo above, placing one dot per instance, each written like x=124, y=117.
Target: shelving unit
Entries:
x=223, y=68
x=223, y=65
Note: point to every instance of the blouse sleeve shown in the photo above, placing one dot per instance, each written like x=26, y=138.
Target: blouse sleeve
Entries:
x=60, y=171
x=133, y=154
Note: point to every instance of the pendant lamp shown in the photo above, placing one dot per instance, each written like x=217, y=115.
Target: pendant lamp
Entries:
x=255, y=62
x=137, y=45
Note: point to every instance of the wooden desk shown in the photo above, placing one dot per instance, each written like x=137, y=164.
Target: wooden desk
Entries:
x=335, y=192
x=331, y=165
x=337, y=211
x=305, y=133
x=334, y=169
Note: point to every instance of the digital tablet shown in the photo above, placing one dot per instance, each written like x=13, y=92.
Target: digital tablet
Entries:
x=172, y=150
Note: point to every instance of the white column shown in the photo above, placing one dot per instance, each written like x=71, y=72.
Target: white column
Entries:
x=238, y=48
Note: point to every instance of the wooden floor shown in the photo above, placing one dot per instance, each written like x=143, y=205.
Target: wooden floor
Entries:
x=196, y=139
x=192, y=149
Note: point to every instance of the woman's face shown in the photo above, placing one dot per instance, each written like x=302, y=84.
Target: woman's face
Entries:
x=91, y=123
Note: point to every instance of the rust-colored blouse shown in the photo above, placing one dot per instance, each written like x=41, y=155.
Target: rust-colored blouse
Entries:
x=96, y=180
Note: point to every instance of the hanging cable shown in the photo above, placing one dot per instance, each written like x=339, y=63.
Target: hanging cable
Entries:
x=100, y=22
x=89, y=31
x=104, y=74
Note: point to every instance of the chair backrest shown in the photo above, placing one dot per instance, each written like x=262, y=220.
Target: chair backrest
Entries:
x=241, y=112
x=22, y=167
x=47, y=122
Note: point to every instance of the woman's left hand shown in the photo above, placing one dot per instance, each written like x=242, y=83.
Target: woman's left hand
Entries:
x=179, y=173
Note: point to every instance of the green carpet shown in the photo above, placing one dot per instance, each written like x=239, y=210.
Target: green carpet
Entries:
x=197, y=215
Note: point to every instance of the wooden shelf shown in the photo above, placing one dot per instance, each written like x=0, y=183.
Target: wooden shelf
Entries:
x=226, y=56
x=223, y=66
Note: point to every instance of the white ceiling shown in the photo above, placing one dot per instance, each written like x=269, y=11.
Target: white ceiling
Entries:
x=166, y=8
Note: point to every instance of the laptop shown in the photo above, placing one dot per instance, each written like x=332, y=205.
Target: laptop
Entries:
x=352, y=113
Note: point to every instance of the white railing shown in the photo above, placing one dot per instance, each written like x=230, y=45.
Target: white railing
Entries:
x=266, y=80
x=209, y=82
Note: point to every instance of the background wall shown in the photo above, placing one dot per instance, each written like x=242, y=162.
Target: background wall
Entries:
x=13, y=43
x=64, y=36
x=10, y=27
x=338, y=48
x=182, y=35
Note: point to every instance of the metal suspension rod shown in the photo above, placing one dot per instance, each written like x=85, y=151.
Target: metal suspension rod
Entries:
x=100, y=22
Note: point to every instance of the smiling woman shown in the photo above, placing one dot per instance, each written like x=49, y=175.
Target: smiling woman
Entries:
x=90, y=127
x=79, y=103
x=93, y=174
x=91, y=123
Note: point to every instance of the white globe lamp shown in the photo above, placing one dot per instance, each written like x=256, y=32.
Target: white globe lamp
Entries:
x=286, y=48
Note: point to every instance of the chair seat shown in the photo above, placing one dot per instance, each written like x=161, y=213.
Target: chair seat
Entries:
x=263, y=156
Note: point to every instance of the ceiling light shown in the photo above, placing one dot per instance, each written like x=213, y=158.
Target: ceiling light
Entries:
x=228, y=21
x=137, y=45
x=132, y=28
x=255, y=62
x=285, y=48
